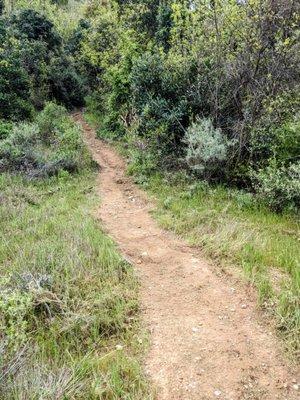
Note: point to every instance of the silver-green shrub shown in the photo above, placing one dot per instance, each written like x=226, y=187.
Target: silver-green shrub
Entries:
x=206, y=147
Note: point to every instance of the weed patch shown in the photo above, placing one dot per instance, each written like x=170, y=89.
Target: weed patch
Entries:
x=68, y=301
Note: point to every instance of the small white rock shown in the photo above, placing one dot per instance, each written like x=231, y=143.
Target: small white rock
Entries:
x=244, y=306
x=119, y=347
x=195, y=329
x=296, y=387
x=217, y=393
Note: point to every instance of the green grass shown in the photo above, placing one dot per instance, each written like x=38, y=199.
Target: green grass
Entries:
x=230, y=228
x=69, y=314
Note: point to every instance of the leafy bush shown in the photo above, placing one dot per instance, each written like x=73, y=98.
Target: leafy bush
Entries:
x=160, y=101
x=207, y=148
x=35, y=66
x=19, y=150
x=14, y=88
x=45, y=147
x=5, y=129
x=286, y=143
x=279, y=187
x=66, y=84
x=34, y=26
x=277, y=140
x=51, y=118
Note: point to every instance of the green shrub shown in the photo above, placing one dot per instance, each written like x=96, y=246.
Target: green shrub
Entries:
x=35, y=26
x=5, y=129
x=66, y=84
x=14, y=88
x=51, y=118
x=35, y=66
x=19, y=150
x=286, y=144
x=279, y=187
x=159, y=88
x=277, y=140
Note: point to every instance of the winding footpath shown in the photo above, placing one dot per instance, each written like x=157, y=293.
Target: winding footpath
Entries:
x=207, y=339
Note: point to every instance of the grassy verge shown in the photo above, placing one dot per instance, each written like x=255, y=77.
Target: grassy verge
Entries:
x=229, y=227
x=69, y=314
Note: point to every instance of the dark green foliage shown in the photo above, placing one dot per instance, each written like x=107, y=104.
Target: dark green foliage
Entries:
x=66, y=85
x=164, y=24
x=5, y=129
x=33, y=26
x=14, y=88
x=161, y=100
x=73, y=45
x=2, y=6
x=280, y=142
x=14, y=80
x=35, y=67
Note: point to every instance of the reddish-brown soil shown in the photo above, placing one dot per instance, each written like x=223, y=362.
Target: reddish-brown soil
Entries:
x=207, y=339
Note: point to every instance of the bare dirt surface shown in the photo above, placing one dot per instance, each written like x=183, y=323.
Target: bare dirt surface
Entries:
x=208, y=341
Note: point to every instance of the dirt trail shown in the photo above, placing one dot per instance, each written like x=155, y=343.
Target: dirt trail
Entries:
x=207, y=339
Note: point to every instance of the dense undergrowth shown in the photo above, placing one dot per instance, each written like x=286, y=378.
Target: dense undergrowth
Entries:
x=69, y=322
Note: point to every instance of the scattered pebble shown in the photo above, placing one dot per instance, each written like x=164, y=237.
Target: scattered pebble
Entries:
x=195, y=329
x=244, y=306
x=119, y=347
x=217, y=393
x=296, y=387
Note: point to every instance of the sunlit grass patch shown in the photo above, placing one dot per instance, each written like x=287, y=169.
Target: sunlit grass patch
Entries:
x=69, y=321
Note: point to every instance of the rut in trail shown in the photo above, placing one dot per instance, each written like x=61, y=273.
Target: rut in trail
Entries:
x=207, y=339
